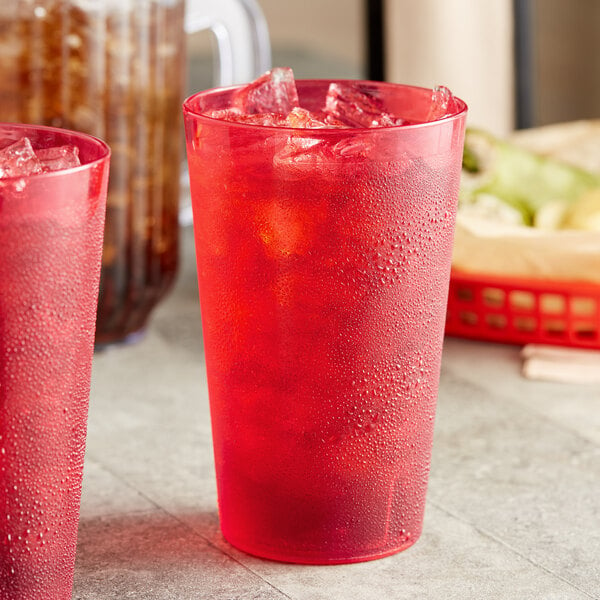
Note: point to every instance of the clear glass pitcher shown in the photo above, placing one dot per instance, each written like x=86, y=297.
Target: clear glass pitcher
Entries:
x=115, y=69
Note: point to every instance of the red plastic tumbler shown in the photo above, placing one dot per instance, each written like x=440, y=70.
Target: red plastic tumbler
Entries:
x=51, y=230
x=323, y=260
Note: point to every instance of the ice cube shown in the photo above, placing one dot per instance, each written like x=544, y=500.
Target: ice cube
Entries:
x=224, y=114
x=353, y=147
x=281, y=229
x=349, y=105
x=263, y=119
x=304, y=119
x=19, y=160
x=273, y=92
x=288, y=229
x=58, y=157
x=299, y=118
x=442, y=103
x=299, y=156
x=235, y=115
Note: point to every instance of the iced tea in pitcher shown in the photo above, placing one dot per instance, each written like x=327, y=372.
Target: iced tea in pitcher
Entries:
x=112, y=68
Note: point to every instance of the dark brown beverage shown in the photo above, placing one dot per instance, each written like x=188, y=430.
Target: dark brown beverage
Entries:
x=112, y=69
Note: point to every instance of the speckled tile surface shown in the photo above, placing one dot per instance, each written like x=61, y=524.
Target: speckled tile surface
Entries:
x=514, y=500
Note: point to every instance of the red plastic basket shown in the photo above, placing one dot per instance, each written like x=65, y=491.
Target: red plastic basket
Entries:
x=512, y=310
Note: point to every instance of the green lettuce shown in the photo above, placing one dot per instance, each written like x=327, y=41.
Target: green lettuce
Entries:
x=528, y=183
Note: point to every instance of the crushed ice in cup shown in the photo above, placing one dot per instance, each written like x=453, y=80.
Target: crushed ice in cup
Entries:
x=58, y=157
x=284, y=230
x=272, y=100
x=19, y=159
x=300, y=156
x=353, y=147
x=237, y=115
x=298, y=118
x=347, y=104
x=273, y=92
x=303, y=119
x=442, y=103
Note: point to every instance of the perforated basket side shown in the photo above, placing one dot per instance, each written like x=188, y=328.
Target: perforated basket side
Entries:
x=522, y=311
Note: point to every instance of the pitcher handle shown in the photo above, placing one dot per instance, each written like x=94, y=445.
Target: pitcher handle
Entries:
x=242, y=36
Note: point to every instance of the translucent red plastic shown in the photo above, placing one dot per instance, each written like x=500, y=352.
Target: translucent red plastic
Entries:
x=51, y=229
x=515, y=310
x=323, y=263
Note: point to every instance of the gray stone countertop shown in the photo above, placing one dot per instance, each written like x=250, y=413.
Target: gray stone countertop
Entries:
x=513, y=507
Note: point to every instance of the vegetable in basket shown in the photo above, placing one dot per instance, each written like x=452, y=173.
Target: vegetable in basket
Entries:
x=505, y=182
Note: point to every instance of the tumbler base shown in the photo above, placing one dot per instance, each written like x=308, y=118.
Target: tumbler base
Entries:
x=307, y=559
